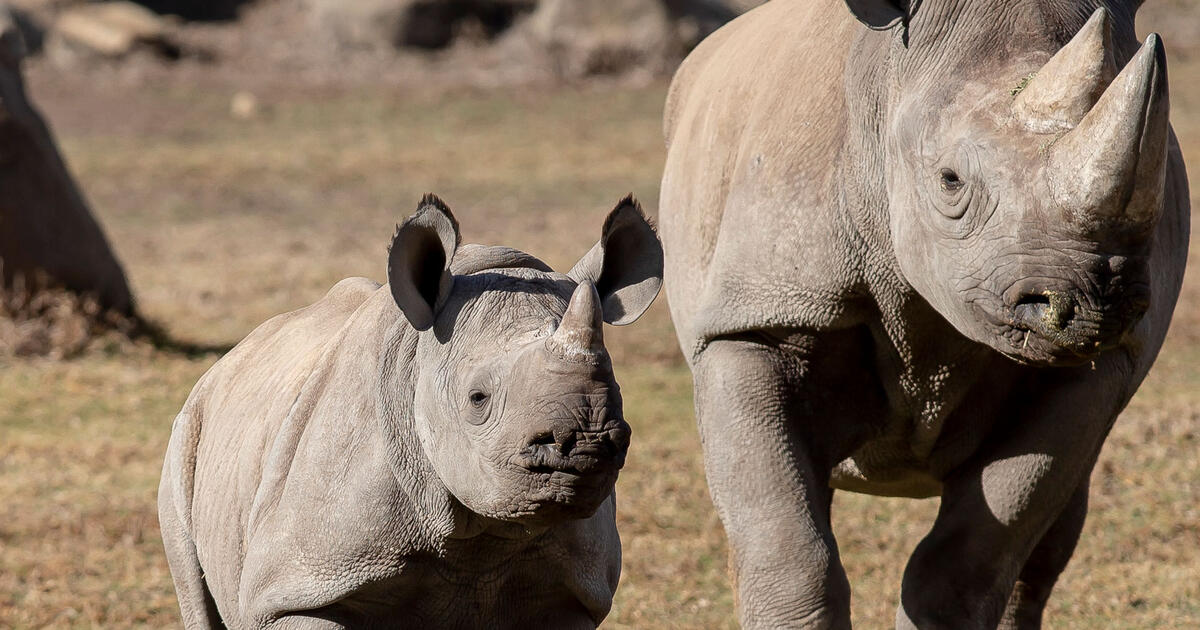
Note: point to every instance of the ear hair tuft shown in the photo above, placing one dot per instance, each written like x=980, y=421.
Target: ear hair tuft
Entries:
x=632, y=202
x=430, y=200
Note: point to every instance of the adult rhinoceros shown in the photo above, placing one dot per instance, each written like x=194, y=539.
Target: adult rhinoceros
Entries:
x=918, y=249
x=439, y=452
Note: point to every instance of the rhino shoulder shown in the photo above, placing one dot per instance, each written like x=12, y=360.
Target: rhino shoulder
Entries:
x=779, y=49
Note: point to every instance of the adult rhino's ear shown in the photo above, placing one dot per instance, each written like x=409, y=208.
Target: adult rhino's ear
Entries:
x=419, y=261
x=881, y=14
x=626, y=265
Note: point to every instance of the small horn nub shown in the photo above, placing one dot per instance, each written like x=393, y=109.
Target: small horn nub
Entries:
x=580, y=335
x=1113, y=164
x=1067, y=87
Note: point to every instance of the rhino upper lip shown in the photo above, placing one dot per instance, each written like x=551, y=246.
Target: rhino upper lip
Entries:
x=584, y=457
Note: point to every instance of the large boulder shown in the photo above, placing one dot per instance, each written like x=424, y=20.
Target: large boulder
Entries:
x=428, y=24
x=109, y=30
x=567, y=39
x=576, y=39
x=582, y=38
x=696, y=19
x=49, y=240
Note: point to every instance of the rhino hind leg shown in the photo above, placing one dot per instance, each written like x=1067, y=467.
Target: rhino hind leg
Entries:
x=1010, y=515
x=1045, y=564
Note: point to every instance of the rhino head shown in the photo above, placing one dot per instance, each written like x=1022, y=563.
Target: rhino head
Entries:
x=514, y=402
x=1025, y=168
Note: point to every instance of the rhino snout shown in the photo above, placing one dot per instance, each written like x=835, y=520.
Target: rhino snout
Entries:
x=1062, y=316
x=575, y=450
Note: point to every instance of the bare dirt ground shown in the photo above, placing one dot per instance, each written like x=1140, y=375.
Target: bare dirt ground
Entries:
x=222, y=222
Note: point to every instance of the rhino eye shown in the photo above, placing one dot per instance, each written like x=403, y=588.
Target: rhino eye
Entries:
x=949, y=181
x=477, y=398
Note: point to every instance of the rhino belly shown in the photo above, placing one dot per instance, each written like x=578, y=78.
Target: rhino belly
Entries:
x=885, y=468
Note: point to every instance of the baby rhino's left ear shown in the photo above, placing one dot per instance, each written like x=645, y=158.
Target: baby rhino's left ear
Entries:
x=419, y=261
x=626, y=265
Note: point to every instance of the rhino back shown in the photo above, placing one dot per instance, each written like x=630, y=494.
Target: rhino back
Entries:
x=750, y=199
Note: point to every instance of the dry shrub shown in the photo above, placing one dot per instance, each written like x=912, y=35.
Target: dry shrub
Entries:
x=38, y=318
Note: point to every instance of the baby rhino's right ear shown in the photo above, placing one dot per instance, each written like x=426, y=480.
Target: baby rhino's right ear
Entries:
x=419, y=261
x=626, y=265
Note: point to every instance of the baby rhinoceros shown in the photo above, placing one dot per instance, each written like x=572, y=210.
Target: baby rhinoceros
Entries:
x=446, y=464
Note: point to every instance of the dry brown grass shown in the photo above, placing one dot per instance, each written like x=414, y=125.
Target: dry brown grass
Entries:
x=222, y=223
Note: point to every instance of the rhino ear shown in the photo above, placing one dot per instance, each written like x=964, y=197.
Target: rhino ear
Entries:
x=419, y=261
x=626, y=265
x=881, y=14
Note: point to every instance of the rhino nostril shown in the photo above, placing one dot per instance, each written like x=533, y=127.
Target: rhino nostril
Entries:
x=564, y=438
x=1061, y=310
x=1033, y=299
x=1048, y=310
x=545, y=438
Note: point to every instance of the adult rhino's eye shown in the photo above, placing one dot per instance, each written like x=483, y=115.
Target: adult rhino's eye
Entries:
x=477, y=398
x=949, y=181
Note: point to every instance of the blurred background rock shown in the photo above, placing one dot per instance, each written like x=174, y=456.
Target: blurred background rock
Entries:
x=480, y=41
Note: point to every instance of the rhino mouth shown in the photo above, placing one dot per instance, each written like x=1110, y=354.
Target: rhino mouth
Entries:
x=581, y=454
x=1033, y=336
x=1050, y=322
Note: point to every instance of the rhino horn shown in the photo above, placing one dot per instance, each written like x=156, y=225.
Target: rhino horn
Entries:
x=580, y=335
x=1113, y=164
x=1059, y=95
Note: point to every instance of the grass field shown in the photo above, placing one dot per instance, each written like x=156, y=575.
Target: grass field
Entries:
x=222, y=223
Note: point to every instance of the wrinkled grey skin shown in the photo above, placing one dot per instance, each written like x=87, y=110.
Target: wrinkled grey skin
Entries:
x=899, y=266
x=445, y=464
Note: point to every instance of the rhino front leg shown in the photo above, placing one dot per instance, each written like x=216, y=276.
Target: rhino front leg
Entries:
x=1041, y=570
x=1019, y=496
x=757, y=413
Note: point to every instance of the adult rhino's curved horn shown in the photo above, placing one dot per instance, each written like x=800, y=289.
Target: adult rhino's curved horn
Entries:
x=1113, y=164
x=1066, y=88
x=580, y=335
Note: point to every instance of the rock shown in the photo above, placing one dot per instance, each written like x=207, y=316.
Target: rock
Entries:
x=388, y=24
x=243, y=105
x=57, y=271
x=565, y=39
x=696, y=19
x=585, y=38
x=110, y=29
x=198, y=10
x=740, y=6
x=365, y=24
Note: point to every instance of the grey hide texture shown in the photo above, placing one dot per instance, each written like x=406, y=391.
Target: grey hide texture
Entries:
x=340, y=468
x=918, y=249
